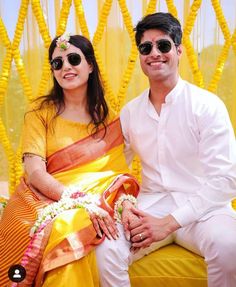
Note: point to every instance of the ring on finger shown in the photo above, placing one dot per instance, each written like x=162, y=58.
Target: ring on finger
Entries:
x=141, y=236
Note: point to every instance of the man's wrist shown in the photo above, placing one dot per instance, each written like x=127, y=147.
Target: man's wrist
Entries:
x=172, y=223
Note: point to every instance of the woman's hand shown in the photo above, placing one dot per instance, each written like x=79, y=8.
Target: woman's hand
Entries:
x=128, y=218
x=104, y=224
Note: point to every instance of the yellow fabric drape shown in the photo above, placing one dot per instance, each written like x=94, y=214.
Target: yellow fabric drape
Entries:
x=26, y=29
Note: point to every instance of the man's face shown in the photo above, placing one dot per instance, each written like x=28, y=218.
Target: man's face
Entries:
x=157, y=65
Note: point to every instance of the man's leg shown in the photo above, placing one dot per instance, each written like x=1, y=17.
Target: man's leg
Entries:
x=113, y=261
x=114, y=257
x=214, y=239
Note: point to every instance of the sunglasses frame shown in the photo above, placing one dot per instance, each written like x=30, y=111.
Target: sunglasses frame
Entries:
x=158, y=46
x=58, y=66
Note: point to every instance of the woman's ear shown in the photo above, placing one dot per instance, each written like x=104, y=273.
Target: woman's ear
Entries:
x=90, y=68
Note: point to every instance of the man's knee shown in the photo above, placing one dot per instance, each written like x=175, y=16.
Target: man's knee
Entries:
x=223, y=252
x=113, y=253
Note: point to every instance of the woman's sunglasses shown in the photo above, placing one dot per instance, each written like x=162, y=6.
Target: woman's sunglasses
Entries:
x=73, y=58
x=163, y=45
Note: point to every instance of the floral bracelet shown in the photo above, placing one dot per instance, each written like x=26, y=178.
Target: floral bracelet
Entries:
x=118, y=205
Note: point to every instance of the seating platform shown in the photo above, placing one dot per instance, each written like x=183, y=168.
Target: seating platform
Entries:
x=169, y=266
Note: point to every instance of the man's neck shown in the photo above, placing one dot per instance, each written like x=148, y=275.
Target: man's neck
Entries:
x=159, y=91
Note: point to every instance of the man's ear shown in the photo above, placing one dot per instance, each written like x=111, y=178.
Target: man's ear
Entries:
x=179, y=50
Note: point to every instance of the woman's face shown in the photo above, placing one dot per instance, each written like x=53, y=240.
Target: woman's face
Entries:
x=71, y=77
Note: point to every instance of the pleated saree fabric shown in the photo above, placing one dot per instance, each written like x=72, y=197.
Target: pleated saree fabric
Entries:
x=63, y=249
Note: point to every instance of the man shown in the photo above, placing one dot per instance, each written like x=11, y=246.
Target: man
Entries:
x=186, y=144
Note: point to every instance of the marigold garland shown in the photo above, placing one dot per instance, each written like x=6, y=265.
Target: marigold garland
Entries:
x=96, y=39
x=132, y=57
x=43, y=29
x=6, y=66
x=20, y=24
x=171, y=7
x=197, y=75
x=23, y=77
x=102, y=22
x=46, y=73
x=18, y=163
x=151, y=8
x=79, y=9
x=9, y=154
x=233, y=41
x=225, y=51
x=63, y=18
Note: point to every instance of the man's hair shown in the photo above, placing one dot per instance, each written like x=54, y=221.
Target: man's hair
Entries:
x=165, y=22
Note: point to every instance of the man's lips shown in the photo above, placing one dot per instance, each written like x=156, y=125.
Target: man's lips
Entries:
x=156, y=63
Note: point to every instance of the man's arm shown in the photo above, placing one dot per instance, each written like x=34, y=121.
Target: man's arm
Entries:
x=217, y=154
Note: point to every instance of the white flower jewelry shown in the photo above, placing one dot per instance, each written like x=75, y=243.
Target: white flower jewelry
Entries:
x=70, y=199
x=63, y=41
x=3, y=203
x=118, y=205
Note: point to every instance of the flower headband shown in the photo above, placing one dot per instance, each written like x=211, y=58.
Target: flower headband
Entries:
x=63, y=41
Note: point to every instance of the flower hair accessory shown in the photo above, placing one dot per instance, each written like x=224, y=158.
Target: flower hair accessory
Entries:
x=63, y=41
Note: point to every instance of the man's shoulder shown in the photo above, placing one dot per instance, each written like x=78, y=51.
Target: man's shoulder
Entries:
x=201, y=95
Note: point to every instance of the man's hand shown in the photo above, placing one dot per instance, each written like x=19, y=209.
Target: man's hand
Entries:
x=150, y=229
x=104, y=224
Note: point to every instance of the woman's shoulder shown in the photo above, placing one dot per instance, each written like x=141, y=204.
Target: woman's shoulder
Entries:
x=41, y=108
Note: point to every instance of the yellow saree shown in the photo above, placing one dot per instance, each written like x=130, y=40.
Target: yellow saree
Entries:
x=61, y=251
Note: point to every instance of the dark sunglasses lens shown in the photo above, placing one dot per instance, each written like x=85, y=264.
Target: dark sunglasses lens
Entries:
x=74, y=59
x=145, y=48
x=56, y=64
x=164, y=46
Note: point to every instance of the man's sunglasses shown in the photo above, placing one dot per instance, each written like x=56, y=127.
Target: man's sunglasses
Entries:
x=163, y=45
x=73, y=58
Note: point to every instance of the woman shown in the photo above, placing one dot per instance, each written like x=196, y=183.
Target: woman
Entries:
x=75, y=171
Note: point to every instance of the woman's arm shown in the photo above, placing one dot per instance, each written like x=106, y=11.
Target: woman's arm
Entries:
x=40, y=179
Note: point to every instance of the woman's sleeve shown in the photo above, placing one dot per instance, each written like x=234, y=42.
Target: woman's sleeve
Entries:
x=34, y=133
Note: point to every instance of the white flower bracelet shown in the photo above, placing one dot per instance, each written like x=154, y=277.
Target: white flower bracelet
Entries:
x=118, y=208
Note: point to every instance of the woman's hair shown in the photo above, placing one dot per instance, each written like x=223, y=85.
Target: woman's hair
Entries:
x=165, y=22
x=97, y=106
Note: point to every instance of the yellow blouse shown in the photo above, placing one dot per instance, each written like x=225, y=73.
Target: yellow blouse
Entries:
x=43, y=135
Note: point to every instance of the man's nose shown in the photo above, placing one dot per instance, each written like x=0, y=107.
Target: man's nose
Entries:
x=155, y=51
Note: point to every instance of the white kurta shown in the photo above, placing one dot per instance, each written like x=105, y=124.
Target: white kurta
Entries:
x=188, y=152
x=188, y=156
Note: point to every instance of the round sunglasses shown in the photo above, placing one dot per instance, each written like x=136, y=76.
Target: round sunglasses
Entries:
x=163, y=45
x=74, y=59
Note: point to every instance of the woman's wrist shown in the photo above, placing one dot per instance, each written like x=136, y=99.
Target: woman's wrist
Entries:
x=125, y=201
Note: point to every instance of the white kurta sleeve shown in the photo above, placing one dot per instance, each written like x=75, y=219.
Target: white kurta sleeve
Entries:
x=217, y=154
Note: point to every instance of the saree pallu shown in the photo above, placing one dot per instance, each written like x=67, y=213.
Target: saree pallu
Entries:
x=97, y=166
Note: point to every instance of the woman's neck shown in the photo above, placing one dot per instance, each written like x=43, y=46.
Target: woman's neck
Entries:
x=75, y=99
x=76, y=106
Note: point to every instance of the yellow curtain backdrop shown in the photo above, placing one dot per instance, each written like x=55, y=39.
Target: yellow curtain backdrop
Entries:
x=27, y=27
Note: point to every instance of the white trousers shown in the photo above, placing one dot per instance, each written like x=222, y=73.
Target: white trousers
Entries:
x=214, y=239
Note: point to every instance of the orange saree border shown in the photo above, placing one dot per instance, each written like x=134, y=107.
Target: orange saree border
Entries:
x=86, y=238
x=75, y=155
x=86, y=149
